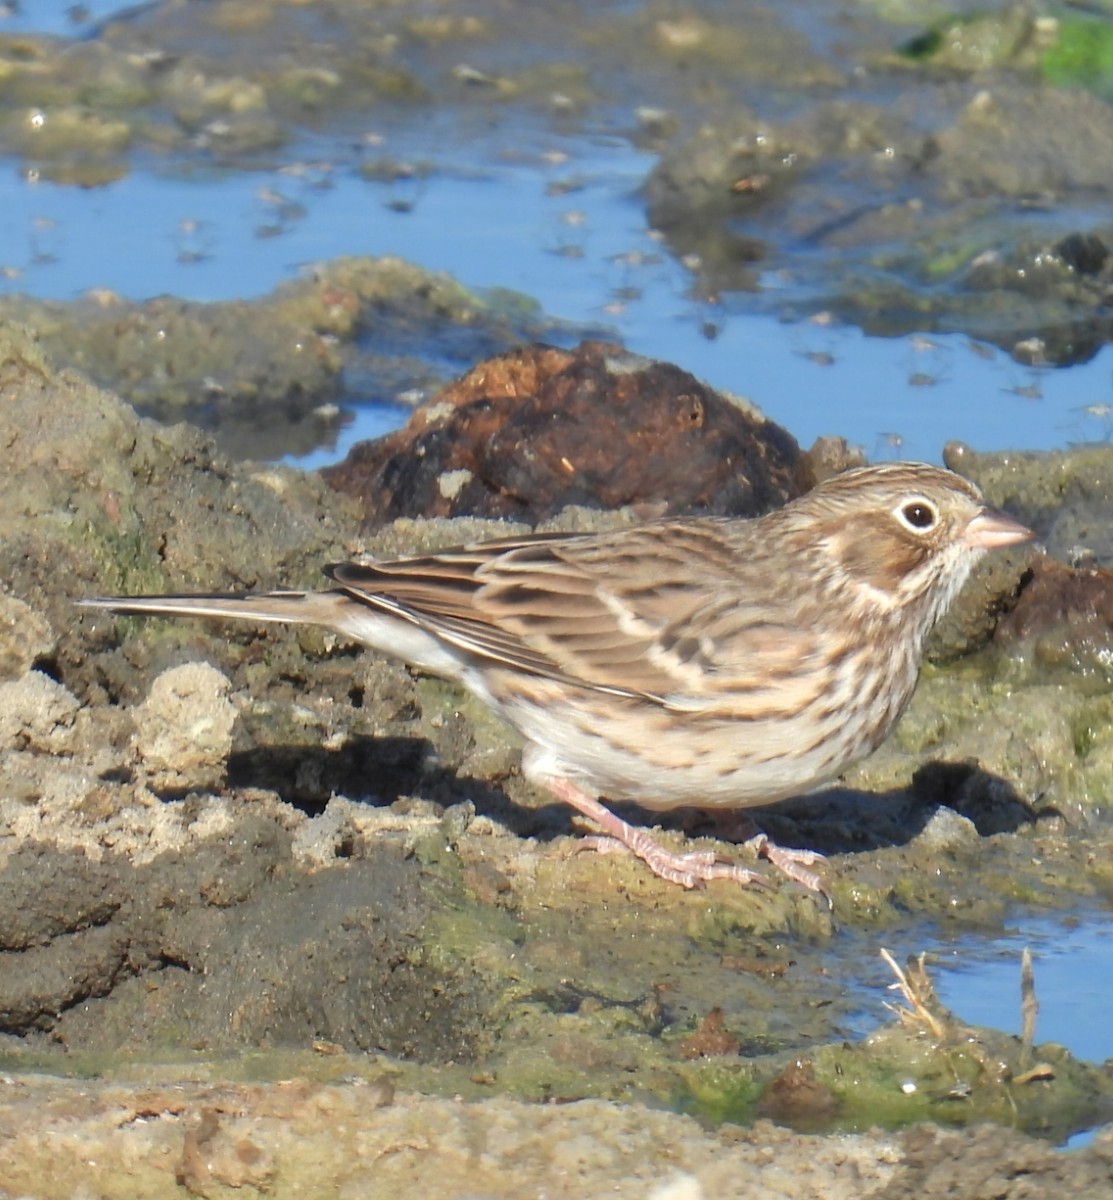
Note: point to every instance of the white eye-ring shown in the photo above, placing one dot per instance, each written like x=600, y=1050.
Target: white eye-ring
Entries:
x=917, y=514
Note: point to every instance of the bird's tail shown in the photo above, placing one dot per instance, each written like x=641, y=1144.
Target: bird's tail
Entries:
x=313, y=608
x=375, y=621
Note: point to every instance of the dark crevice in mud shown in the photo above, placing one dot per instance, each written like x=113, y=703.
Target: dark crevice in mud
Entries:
x=51, y=667
x=992, y=804
x=117, y=775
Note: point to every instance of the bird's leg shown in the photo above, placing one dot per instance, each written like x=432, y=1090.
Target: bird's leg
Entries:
x=792, y=863
x=689, y=870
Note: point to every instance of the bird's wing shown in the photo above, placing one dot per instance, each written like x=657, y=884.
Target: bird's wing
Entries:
x=629, y=613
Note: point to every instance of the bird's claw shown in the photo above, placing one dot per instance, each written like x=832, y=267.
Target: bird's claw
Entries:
x=691, y=870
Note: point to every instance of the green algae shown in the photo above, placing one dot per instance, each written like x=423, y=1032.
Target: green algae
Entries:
x=1082, y=56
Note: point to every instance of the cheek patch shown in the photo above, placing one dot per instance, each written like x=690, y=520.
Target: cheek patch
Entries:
x=880, y=558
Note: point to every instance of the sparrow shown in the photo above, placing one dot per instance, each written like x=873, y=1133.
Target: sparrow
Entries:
x=711, y=662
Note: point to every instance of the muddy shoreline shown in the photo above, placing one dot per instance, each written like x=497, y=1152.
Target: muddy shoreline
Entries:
x=280, y=916
x=224, y=847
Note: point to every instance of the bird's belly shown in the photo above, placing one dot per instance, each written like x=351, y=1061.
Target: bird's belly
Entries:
x=636, y=750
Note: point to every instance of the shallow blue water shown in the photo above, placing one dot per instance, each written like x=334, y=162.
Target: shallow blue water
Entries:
x=213, y=237
x=57, y=17
x=498, y=212
x=1072, y=971
x=979, y=982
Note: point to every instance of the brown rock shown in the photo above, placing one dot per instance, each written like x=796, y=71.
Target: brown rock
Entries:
x=710, y=1040
x=1056, y=595
x=526, y=434
x=1062, y=621
x=797, y=1097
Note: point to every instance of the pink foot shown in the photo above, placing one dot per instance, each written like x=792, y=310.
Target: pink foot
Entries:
x=689, y=870
x=792, y=863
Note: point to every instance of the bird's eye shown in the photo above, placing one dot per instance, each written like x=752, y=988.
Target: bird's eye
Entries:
x=918, y=514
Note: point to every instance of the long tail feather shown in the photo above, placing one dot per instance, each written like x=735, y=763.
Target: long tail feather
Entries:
x=319, y=608
x=368, y=619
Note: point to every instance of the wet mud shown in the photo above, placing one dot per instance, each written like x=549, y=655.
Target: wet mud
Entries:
x=279, y=916
x=232, y=854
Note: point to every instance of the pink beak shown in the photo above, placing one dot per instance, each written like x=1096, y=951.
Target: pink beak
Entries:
x=991, y=528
